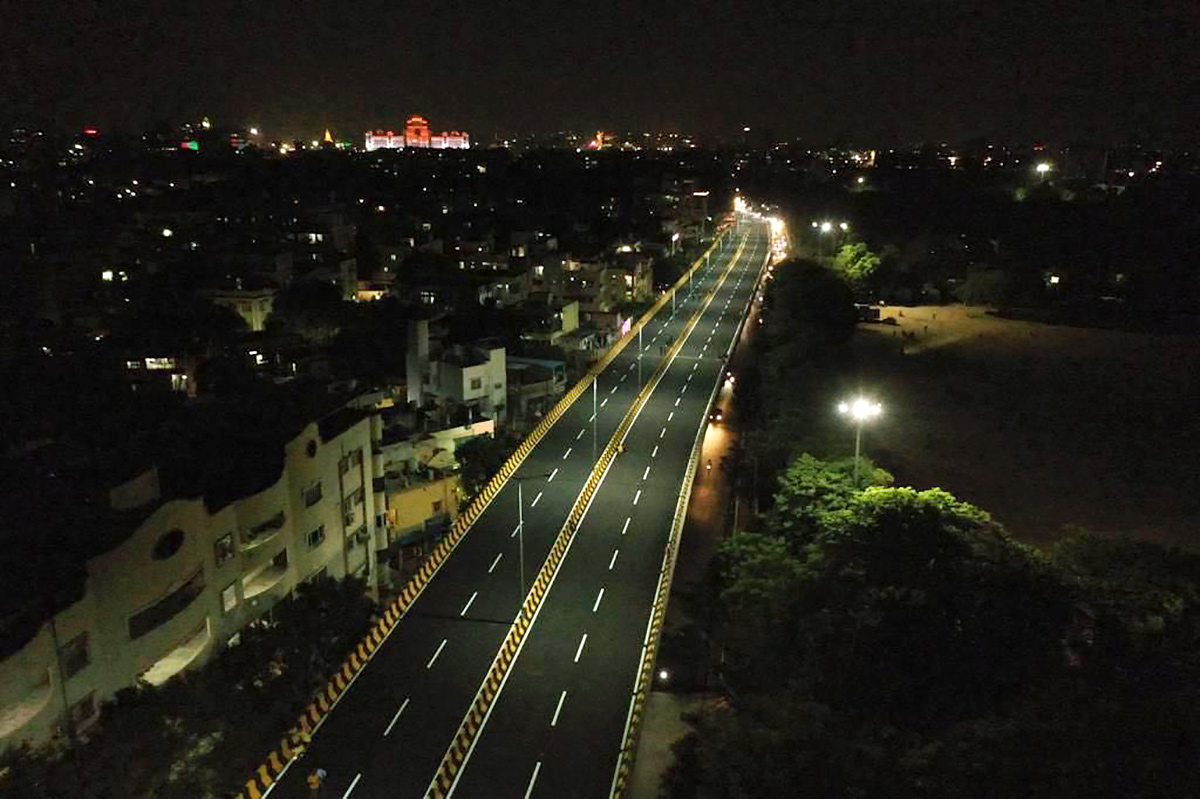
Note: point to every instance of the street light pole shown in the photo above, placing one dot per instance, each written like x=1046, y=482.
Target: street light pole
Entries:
x=857, y=449
x=639, y=358
x=860, y=410
x=521, y=532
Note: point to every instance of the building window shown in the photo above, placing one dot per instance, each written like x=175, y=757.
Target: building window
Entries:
x=312, y=495
x=437, y=506
x=223, y=548
x=356, y=458
x=166, y=608
x=75, y=655
x=83, y=710
x=229, y=597
x=359, y=496
x=343, y=465
x=315, y=537
x=476, y=383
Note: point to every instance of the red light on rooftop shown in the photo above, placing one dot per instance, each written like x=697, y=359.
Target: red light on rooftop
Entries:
x=90, y=132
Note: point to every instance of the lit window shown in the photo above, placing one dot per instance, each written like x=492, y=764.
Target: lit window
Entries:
x=160, y=363
x=107, y=275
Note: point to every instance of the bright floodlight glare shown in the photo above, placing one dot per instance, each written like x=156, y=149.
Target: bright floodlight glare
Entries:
x=844, y=226
x=860, y=409
x=253, y=131
x=826, y=227
x=1042, y=168
x=167, y=233
x=663, y=674
x=862, y=180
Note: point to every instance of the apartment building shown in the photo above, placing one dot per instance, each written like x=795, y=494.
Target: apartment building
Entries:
x=186, y=573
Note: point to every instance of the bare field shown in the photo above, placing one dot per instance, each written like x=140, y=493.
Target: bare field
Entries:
x=1041, y=425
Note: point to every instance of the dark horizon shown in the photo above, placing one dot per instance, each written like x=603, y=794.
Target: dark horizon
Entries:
x=864, y=69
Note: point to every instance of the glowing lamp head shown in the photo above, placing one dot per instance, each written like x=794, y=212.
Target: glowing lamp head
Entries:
x=1043, y=168
x=167, y=233
x=826, y=227
x=844, y=226
x=860, y=409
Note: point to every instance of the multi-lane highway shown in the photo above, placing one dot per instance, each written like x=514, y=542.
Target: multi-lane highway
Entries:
x=565, y=702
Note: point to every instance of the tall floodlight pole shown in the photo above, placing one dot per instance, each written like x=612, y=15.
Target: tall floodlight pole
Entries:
x=860, y=410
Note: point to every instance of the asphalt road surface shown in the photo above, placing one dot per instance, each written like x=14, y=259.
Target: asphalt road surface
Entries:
x=388, y=733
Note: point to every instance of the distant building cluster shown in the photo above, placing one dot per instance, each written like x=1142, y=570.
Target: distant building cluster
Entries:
x=416, y=133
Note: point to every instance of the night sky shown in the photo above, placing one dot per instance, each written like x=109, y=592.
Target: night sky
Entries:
x=871, y=71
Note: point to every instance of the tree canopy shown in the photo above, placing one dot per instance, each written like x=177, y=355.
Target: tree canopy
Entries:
x=894, y=642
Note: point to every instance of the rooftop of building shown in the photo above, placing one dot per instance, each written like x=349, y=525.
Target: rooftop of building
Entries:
x=60, y=514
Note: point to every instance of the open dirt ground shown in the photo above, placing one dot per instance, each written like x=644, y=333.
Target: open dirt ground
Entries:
x=1043, y=426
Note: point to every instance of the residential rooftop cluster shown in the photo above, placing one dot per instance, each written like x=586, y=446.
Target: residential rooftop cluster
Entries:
x=231, y=368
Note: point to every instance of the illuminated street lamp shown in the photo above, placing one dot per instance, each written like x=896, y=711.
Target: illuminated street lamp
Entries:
x=1043, y=169
x=860, y=410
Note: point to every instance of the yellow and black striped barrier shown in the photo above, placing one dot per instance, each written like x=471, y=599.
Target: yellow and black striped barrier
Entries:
x=460, y=744
x=645, y=674
x=297, y=739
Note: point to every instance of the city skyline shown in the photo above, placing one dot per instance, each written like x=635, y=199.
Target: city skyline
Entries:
x=878, y=71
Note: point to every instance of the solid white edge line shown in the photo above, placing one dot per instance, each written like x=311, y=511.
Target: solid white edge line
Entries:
x=537, y=613
x=650, y=620
x=524, y=639
x=395, y=718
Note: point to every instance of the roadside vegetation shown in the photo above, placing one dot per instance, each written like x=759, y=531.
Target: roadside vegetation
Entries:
x=199, y=734
x=877, y=640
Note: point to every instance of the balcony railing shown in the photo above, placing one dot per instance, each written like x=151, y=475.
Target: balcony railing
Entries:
x=260, y=534
x=263, y=581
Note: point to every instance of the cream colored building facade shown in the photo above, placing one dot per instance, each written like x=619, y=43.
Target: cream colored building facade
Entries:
x=180, y=587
